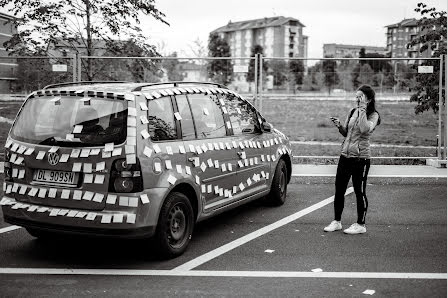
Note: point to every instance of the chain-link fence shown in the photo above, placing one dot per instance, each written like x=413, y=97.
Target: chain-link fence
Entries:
x=297, y=95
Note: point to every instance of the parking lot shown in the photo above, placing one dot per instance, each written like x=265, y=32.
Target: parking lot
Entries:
x=255, y=250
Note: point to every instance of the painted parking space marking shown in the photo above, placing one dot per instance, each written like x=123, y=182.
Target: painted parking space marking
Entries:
x=211, y=273
x=240, y=241
x=9, y=229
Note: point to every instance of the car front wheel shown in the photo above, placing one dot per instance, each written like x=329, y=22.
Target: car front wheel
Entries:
x=175, y=225
x=278, y=190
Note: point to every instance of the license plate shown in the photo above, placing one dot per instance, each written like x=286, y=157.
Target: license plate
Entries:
x=55, y=177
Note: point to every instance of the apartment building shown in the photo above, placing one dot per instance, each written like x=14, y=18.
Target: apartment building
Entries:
x=279, y=36
x=8, y=66
x=399, y=35
x=343, y=50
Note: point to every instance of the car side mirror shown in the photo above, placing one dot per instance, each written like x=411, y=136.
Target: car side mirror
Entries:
x=267, y=127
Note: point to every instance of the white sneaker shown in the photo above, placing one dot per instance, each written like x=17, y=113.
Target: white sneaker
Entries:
x=333, y=226
x=355, y=229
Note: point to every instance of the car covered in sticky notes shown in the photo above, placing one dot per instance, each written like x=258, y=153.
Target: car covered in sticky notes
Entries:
x=138, y=160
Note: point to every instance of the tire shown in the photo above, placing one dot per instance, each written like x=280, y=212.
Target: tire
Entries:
x=175, y=226
x=278, y=190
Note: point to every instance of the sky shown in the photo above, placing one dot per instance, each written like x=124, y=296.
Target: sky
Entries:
x=356, y=22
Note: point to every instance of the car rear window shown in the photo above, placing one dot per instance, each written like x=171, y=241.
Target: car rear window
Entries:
x=69, y=121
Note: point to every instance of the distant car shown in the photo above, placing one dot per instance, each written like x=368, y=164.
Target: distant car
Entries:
x=138, y=160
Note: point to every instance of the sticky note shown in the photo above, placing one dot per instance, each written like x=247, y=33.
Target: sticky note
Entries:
x=144, y=198
x=252, y=162
x=228, y=146
x=131, y=218
x=224, y=167
x=171, y=179
x=199, y=150
x=239, y=162
x=40, y=155
x=76, y=167
x=81, y=214
x=88, y=178
x=156, y=148
x=15, y=172
x=210, y=162
x=66, y=194
x=216, y=189
x=249, y=181
x=144, y=120
x=131, y=132
x=131, y=159
x=131, y=111
x=14, y=147
x=53, y=149
x=230, y=167
x=216, y=164
x=131, y=141
x=241, y=186
x=106, y=218
x=111, y=199
x=147, y=151
x=23, y=189
x=64, y=157
x=29, y=151
x=52, y=193
x=98, y=197
x=157, y=167
x=192, y=148
x=77, y=129
x=169, y=150
x=181, y=149
x=177, y=116
x=197, y=180
x=87, y=168
x=179, y=169
x=77, y=195
x=209, y=188
x=213, y=146
x=117, y=151
x=75, y=153
x=88, y=195
x=19, y=160
x=133, y=202
x=99, y=179
x=145, y=134
x=131, y=121
x=203, y=188
x=32, y=192
x=54, y=212
x=168, y=164
x=14, y=188
x=234, y=144
x=124, y=201
x=72, y=213
x=205, y=111
x=129, y=149
x=100, y=166
x=91, y=216
x=187, y=170
x=85, y=153
x=21, y=149
x=143, y=106
x=109, y=147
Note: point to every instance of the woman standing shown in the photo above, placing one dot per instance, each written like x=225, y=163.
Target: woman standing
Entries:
x=355, y=158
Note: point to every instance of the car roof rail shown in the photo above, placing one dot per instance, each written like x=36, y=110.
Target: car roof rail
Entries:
x=82, y=83
x=178, y=84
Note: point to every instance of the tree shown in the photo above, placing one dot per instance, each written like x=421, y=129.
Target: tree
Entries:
x=257, y=49
x=219, y=70
x=172, y=68
x=433, y=36
x=330, y=73
x=296, y=70
x=279, y=72
x=46, y=23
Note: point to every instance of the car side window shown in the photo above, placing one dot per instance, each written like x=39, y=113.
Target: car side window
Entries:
x=242, y=115
x=161, y=120
x=187, y=123
x=208, y=117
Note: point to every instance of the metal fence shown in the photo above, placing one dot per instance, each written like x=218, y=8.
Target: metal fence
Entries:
x=298, y=95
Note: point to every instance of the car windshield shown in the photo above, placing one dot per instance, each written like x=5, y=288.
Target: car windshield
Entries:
x=69, y=121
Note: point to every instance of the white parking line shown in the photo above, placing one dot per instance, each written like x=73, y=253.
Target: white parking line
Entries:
x=240, y=241
x=190, y=273
x=8, y=229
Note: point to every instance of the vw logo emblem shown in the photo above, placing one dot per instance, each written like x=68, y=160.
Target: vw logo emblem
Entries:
x=53, y=158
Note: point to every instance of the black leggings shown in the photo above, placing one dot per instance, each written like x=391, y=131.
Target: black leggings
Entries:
x=357, y=168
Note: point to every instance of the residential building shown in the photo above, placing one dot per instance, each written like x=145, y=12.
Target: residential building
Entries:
x=399, y=35
x=343, y=50
x=8, y=66
x=279, y=36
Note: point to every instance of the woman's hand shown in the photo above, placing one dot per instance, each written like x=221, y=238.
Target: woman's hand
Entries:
x=336, y=121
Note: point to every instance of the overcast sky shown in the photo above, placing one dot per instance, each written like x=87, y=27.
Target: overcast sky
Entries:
x=355, y=22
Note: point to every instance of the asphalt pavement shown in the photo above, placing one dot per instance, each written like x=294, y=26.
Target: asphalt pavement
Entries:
x=255, y=250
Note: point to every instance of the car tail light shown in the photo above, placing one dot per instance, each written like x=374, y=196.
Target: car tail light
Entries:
x=125, y=177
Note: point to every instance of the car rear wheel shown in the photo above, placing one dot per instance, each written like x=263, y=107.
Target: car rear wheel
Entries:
x=175, y=225
x=278, y=190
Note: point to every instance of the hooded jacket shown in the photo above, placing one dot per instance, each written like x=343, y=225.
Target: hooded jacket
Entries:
x=357, y=130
